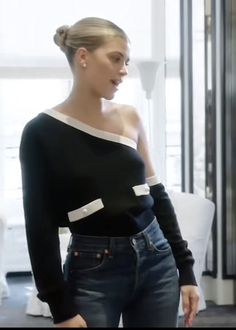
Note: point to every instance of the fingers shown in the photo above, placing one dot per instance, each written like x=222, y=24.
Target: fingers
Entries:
x=190, y=307
x=186, y=310
x=75, y=322
x=190, y=311
x=83, y=324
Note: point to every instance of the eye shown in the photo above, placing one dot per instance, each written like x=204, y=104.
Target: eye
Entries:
x=117, y=59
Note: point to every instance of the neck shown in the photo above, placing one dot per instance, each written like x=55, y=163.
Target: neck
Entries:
x=82, y=102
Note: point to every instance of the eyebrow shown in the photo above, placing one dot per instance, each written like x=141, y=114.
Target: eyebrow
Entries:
x=122, y=55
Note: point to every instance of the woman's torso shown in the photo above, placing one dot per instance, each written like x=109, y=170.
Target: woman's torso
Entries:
x=96, y=177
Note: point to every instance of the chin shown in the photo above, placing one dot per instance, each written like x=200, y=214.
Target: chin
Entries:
x=109, y=97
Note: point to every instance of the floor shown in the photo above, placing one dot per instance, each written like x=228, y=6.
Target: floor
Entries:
x=12, y=310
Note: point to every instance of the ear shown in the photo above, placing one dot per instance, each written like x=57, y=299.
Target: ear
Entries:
x=81, y=56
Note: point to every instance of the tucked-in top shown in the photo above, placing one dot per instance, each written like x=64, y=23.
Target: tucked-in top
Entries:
x=77, y=176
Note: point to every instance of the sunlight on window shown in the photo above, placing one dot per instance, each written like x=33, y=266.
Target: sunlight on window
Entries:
x=30, y=98
x=23, y=98
x=173, y=133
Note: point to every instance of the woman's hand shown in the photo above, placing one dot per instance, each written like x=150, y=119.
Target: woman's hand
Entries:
x=74, y=322
x=190, y=303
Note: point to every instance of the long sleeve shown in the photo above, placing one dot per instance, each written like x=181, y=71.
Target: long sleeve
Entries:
x=41, y=229
x=166, y=217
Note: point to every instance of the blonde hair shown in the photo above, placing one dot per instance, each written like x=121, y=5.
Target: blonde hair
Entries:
x=89, y=32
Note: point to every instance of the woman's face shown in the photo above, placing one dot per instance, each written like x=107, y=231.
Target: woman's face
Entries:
x=106, y=67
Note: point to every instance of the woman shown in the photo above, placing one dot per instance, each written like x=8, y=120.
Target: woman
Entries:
x=86, y=165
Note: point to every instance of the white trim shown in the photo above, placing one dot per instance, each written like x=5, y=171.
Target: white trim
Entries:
x=152, y=180
x=90, y=130
x=85, y=210
x=142, y=189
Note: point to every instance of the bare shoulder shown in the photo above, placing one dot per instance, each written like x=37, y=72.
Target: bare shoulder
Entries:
x=128, y=112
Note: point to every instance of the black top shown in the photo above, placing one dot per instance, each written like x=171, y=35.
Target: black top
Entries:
x=86, y=179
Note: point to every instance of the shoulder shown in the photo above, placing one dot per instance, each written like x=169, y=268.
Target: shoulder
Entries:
x=29, y=127
x=31, y=130
x=128, y=112
x=36, y=124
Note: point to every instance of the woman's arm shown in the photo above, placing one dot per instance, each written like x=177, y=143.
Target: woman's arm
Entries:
x=166, y=217
x=41, y=228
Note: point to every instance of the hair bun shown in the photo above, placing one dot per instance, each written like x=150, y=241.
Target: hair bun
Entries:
x=60, y=36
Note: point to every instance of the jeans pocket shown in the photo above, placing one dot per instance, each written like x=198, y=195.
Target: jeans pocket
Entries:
x=161, y=246
x=84, y=261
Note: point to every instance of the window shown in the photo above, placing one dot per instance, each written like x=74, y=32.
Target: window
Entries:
x=198, y=44
x=21, y=100
x=34, y=74
x=173, y=95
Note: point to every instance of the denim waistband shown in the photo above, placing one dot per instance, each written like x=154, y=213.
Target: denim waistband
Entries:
x=151, y=232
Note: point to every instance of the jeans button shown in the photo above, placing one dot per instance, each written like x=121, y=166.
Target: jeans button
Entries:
x=133, y=241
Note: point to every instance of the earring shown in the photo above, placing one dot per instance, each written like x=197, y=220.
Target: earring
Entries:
x=84, y=65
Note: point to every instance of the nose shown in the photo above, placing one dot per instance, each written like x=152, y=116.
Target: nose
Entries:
x=124, y=70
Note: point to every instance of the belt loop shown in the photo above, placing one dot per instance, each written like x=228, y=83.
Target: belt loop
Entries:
x=108, y=251
x=69, y=244
x=147, y=241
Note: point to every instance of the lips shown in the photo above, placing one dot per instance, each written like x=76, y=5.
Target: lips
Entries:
x=116, y=82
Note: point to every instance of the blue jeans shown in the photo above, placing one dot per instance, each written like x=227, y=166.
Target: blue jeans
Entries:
x=134, y=277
